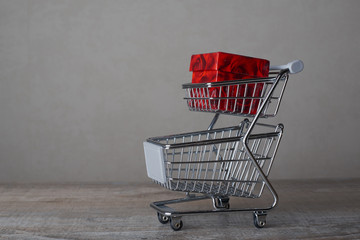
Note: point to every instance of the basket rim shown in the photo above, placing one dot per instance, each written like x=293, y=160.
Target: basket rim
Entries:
x=155, y=140
x=228, y=83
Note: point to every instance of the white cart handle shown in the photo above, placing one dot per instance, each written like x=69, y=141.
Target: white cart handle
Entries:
x=294, y=66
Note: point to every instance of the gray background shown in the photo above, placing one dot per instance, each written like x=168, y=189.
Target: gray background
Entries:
x=83, y=83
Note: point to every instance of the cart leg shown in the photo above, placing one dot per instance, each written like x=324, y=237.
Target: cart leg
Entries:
x=260, y=219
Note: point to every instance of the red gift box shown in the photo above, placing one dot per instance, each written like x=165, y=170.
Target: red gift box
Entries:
x=231, y=63
x=219, y=66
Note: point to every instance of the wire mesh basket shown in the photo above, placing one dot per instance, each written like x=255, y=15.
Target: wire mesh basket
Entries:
x=238, y=97
x=213, y=162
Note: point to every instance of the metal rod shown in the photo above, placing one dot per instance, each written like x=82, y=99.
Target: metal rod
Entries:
x=214, y=120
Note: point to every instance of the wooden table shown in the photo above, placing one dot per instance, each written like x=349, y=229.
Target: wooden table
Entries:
x=316, y=209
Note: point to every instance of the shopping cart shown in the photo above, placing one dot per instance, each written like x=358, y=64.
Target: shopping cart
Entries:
x=217, y=164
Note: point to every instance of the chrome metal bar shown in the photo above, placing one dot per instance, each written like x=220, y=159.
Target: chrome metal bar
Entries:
x=214, y=120
x=228, y=83
x=212, y=141
x=246, y=139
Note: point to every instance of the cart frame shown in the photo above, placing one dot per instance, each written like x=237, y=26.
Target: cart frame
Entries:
x=220, y=201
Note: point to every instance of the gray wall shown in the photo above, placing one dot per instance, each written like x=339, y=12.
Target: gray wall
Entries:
x=83, y=83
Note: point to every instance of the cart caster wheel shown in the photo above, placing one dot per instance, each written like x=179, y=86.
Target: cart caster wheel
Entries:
x=260, y=219
x=162, y=218
x=176, y=224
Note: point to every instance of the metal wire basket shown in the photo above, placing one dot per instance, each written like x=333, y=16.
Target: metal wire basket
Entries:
x=213, y=162
x=238, y=97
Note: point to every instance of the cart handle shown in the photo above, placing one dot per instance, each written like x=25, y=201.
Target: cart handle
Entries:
x=294, y=66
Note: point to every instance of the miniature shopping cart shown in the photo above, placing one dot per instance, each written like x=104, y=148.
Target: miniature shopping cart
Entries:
x=217, y=164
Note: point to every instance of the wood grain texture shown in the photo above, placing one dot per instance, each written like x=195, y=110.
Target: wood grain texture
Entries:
x=326, y=209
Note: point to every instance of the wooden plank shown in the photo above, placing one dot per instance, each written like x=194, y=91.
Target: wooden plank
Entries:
x=317, y=209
